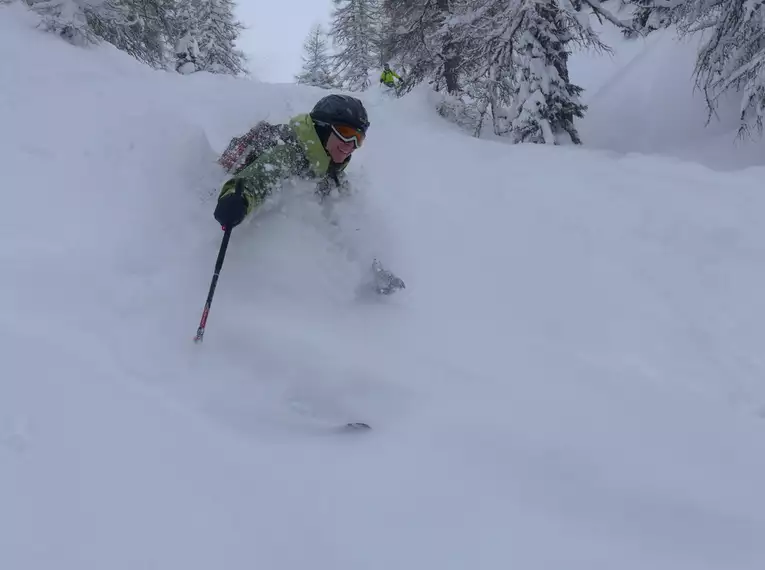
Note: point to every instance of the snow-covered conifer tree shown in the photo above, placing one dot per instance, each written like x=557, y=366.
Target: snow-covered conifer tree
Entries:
x=218, y=30
x=67, y=18
x=545, y=101
x=650, y=15
x=422, y=39
x=153, y=31
x=184, y=33
x=354, y=29
x=316, y=60
x=514, y=63
x=186, y=53
x=734, y=55
x=139, y=27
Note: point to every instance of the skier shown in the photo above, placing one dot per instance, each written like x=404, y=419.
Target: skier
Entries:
x=387, y=77
x=317, y=145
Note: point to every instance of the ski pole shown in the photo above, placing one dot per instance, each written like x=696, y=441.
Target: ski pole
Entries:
x=218, y=265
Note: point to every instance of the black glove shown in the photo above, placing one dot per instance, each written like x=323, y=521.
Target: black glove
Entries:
x=231, y=210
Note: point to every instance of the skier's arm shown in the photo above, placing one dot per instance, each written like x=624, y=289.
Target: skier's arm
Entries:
x=263, y=175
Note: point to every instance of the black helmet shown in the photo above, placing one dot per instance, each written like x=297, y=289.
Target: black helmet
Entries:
x=341, y=110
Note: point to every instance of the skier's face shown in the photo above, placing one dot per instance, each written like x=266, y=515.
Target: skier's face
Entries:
x=338, y=149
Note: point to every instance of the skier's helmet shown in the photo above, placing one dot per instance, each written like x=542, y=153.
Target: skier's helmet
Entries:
x=341, y=110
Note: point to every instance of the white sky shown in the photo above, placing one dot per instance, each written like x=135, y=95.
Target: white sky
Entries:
x=275, y=34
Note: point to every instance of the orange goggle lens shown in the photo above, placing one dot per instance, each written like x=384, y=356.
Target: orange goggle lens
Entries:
x=349, y=134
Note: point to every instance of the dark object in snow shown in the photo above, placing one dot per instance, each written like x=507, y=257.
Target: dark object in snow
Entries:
x=386, y=282
x=357, y=426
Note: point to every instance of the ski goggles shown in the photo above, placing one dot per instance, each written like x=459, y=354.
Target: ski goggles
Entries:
x=348, y=134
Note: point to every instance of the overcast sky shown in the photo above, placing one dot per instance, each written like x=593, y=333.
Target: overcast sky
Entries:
x=275, y=34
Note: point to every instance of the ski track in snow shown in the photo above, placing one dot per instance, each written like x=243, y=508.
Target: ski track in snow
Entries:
x=571, y=379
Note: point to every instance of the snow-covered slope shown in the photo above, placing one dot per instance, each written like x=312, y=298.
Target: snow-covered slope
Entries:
x=572, y=378
x=643, y=99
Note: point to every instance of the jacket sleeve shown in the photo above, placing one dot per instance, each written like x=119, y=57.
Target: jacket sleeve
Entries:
x=264, y=174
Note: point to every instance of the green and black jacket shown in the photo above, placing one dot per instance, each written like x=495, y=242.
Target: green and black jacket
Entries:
x=298, y=153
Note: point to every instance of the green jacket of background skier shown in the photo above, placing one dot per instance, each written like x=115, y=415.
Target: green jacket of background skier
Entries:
x=387, y=76
x=315, y=145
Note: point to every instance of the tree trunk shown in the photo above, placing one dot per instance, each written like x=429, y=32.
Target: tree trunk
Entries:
x=450, y=55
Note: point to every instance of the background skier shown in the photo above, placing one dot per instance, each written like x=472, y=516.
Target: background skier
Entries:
x=388, y=78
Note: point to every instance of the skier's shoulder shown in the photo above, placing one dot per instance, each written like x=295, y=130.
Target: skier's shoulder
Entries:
x=243, y=150
x=312, y=147
x=303, y=128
